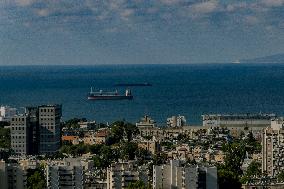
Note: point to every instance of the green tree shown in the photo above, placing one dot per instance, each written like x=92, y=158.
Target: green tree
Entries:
x=229, y=173
x=130, y=131
x=36, y=180
x=5, y=138
x=117, y=131
x=253, y=170
x=121, y=129
x=138, y=185
x=228, y=179
x=280, y=176
x=128, y=150
x=235, y=154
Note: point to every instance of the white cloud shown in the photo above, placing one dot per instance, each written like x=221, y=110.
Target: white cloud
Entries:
x=170, y=2
x=251, y=20
x=273, y=3
x=43, y=12
x=205, y=7
x=24, y=2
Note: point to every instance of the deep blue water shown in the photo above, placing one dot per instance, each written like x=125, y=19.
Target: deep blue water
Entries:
x=189, y=90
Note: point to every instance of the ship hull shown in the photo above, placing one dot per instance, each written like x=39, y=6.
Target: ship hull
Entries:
x=110, y=97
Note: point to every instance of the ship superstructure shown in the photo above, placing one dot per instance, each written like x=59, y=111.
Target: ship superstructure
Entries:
x=104, y=95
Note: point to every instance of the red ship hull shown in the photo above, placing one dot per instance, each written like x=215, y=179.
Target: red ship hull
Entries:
x=110, y=97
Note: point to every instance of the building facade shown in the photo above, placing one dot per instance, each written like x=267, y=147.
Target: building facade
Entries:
x=49, y=127
x=37, y=131
x=6, y=113
x=179, y=176
x=12, y=176
x=65, y=175
x=176, y=121
x=120, y=175
x=273, y=151
x=237, y=120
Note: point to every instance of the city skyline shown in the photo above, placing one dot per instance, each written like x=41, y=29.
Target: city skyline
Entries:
x=138, y=32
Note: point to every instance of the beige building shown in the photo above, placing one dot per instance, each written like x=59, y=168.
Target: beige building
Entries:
x=146, y=122
x=101, y=135
x=150, y=145
x=273, y=151
x=178, y=176
x=176, y=121
x=120, y=175
x=89, y=139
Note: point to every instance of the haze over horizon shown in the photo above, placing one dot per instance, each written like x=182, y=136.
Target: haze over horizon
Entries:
x=80, y=32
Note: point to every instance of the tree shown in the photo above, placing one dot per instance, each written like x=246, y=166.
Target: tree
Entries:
x=130, y=131
x=235, y=154
x=5, y=138
x=228, y=179
x=117, y=131
x=253, y=170
x=280, y=176
x=36, y=180
x=128, y=150
x=138, y=185
x=121, y=129
x=230, y=172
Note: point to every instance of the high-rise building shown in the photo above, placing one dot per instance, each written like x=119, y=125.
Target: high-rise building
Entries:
x=49, y=128
x=120, y=175
x=176, y=121
x=6, y=113
x=65, y=176
x=177, y=176
x=20, y=134
x=273, y=148
x=12, y=176
x=37, y=130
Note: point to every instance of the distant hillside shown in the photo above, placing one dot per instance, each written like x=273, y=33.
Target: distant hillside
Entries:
x=278, y=58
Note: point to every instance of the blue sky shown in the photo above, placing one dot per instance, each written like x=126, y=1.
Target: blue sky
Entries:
x=138, y=31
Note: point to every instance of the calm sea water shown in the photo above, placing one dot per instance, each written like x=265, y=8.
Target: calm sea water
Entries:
x=189, y=90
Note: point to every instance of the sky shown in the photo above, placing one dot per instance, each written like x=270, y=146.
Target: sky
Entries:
x=90, y=32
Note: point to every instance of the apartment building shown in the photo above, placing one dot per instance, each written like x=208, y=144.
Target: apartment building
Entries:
x=176, y=121
x=37, y=131
x=12, y=176
x=273, y=148
x=120, y=175
x=66, y=174
x=237, y=120
x=176, y=175
x=7, y=112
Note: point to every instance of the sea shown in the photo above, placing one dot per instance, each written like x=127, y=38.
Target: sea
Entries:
x=189, y=90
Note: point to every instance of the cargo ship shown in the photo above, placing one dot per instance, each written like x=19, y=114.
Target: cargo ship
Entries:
x=133, y=85
x=101, y=95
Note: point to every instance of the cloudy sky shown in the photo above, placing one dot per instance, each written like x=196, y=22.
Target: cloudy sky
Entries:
x=138, y=31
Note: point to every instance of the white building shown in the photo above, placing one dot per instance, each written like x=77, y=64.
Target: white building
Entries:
x=277, y=123
x=66, y=174
x=13, y=176
x=6, y=112
x=87, y=125
x=237, y=120
x=273, y=150
x=146, y=122
x=120, y=175
x=177, y=176
x=176, y=121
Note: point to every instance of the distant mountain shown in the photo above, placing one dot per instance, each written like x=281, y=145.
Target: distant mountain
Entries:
x=277, y=58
